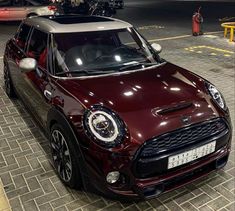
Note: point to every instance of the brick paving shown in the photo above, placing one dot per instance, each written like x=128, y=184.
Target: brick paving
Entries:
x=31, y=184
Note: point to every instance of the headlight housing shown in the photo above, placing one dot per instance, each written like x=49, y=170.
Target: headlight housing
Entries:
x=104, y=126
x=216, y=96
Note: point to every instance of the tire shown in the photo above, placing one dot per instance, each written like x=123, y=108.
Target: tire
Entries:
x=31, y=15
x=9, y=88
x=65, y=156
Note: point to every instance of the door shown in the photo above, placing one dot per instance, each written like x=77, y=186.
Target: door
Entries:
x=37, y=88
x=16, y=51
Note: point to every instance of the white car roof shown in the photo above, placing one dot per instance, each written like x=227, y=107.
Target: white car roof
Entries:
x=75, y=23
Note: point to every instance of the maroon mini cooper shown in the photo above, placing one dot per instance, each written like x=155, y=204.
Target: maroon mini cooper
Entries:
x=121, y=120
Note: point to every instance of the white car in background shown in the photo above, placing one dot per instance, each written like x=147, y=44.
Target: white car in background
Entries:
x=14, y=10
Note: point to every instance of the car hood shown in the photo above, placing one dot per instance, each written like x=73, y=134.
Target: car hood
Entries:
x=151, y=101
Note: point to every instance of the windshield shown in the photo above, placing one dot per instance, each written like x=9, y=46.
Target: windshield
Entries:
x=100, y=52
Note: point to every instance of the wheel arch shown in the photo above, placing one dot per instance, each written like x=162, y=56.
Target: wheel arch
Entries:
x=55, y=115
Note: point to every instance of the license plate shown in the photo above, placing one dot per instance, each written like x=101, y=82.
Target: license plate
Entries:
x=191, y=155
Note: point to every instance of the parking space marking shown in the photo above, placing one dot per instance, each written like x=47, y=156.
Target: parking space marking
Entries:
x=210, y=36
x=199, y=48
x=150, y=27
x=182, y=36
x=175, y=37
x=226, y=19
x=1, y=57
x=171, y=38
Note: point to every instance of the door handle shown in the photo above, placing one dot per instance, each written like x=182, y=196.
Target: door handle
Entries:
x=47, y=94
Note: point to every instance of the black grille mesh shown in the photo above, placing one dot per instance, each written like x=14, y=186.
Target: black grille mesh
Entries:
x=182, y=137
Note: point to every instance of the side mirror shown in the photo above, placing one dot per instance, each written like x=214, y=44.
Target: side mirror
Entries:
x=157, y=48
x=27, y=65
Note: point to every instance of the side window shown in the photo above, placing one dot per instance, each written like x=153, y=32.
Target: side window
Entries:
x=38, y=47
x=22, y=35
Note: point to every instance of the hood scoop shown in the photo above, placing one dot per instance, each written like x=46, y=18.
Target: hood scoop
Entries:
x=172, y=108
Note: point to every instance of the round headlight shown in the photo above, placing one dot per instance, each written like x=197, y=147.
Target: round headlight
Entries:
x=216, y=95
x=104, y=126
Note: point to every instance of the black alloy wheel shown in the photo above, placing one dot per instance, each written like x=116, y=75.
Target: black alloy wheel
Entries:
x=65, y=156
x=61, y=155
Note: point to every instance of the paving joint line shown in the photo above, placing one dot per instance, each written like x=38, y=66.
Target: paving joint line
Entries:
x=232, y=179
x=212, y=199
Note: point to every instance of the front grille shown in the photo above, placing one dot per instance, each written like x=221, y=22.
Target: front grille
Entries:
x=182, y=137
x=152, y=157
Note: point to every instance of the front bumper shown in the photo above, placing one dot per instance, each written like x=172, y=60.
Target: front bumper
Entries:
x=152, y=187
x=131, y=186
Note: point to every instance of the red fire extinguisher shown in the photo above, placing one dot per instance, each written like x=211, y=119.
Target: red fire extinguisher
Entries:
x=197, y=21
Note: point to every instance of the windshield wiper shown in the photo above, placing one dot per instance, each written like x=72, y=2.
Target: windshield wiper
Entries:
x=86, y=71
x=137, y=64
x=73, y=71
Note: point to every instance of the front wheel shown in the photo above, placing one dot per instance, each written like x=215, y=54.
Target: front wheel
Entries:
x=65, y=157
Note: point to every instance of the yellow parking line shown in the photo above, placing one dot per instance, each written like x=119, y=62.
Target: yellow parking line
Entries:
x=226, y=19
x=219, y=49
x=4, y=204
x=192, y=48
x=181, y=36
x=170, y=38
x=176, y=37
x=216, y=32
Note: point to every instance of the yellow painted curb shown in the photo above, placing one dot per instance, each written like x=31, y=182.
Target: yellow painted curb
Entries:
x=4, y=204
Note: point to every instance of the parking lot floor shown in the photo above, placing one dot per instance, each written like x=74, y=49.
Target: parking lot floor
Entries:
x=30, y=182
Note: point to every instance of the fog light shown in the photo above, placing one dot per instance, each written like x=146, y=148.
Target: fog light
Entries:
x=113, y=177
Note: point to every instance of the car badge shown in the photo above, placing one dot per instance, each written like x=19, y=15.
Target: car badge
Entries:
x=185, y=120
